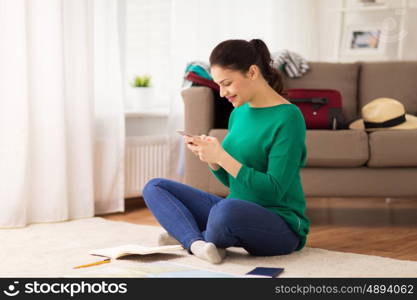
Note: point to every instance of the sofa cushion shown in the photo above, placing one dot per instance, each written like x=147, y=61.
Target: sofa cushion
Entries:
x=338, y=76
x=360, y=182
x=336, y=148
x=393, y=148
x=329, y=148
x=389, y=79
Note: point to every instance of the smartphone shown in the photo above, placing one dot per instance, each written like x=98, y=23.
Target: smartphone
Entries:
x=266, y=272
x=184, y=133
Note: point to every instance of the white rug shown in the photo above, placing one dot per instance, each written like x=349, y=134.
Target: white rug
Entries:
x=52, y=250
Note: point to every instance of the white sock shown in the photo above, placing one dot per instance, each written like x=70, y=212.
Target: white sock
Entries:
x=208, y=251
x=166, y=239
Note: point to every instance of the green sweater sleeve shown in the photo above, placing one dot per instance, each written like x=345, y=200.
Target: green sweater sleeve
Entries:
x=286, y=156
x=221, y=175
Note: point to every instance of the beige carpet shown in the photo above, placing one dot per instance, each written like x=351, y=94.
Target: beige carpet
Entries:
x=51, y=250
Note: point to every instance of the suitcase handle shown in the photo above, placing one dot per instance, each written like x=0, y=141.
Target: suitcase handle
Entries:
x=316, y=102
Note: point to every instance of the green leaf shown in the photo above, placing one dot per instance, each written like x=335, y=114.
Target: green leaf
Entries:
x=141, y=81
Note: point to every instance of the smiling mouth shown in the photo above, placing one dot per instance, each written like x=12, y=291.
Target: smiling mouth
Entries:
x=231, y=99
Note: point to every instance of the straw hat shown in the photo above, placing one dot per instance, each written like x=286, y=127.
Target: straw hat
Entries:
x=384, y=114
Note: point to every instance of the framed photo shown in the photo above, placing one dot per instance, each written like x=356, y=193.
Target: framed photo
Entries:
x=364, y=40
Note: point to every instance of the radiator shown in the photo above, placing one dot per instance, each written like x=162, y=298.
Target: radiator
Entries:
x=146, y=158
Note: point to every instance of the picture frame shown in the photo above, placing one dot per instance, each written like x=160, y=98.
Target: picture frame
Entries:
x=364, y=40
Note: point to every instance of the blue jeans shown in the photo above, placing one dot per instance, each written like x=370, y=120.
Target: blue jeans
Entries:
x=189, y=214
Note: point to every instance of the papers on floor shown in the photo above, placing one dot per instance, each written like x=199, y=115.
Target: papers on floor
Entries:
x=120, y=251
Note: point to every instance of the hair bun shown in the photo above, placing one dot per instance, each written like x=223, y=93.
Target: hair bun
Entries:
x=257, y=43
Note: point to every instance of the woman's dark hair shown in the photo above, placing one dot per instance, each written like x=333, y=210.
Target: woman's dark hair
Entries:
x=239, y=55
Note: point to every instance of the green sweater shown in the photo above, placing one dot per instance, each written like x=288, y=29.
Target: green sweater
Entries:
x=269, y=142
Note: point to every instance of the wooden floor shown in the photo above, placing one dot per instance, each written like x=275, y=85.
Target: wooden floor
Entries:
x=374, y=226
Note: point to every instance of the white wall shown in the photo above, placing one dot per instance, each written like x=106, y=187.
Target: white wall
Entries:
x=410, y=51
x=329, y=26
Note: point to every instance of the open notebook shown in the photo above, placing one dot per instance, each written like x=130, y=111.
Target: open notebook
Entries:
x=119, y=251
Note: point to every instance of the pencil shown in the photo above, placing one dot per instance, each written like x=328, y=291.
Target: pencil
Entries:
x=94, y=263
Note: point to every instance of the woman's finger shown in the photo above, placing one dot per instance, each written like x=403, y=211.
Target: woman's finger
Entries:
x=193, y=147
x=188, y=139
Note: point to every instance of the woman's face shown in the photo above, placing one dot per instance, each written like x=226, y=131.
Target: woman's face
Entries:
x=235, y=86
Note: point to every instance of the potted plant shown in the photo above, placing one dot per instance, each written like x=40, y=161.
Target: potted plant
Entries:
x=142, y=90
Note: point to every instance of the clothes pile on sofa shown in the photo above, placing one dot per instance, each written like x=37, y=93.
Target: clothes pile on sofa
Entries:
x=291, y=63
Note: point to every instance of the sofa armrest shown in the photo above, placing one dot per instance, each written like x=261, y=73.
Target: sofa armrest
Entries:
x=198, y=109
x=198, y=119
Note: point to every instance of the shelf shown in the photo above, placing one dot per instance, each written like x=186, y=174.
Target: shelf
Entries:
x=399, y=10
x=370, y=9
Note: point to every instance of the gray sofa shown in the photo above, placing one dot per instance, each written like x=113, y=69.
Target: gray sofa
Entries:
x=344, y=162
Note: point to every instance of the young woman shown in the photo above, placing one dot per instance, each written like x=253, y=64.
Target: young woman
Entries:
x=259, y=160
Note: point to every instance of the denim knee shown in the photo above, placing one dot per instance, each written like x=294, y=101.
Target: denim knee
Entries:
x=154, y=181
x=225, y=213
x=151, y=185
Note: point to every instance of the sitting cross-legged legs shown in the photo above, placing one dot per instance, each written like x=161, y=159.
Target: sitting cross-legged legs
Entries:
x=206, y=224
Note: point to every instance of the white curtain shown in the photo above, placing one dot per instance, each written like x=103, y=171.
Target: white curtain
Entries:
x=109, y=110
x=198, y=26
x=61, y=125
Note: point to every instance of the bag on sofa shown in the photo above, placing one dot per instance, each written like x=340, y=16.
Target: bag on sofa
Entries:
x=321, y=108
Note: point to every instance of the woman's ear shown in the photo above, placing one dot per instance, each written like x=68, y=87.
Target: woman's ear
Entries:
x=253, y=72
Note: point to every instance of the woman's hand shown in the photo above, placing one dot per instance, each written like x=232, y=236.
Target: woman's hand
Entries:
x=207, y=148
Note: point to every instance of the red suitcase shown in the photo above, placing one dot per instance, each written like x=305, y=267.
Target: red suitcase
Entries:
x=201, y=80
x=322, y=109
